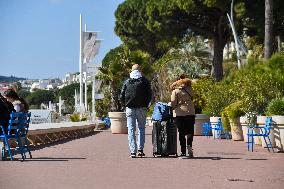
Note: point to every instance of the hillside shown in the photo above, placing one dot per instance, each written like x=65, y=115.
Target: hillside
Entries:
x=10, y=79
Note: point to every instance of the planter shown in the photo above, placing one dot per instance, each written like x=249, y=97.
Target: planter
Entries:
x=199, y=120
x=214, y=121
x=244, y=125
x=261, y=122
x=118, y=122
x=236, y=129
x=149, y=121
x=278, y=132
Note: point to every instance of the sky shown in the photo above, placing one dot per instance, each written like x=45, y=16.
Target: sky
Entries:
x=39, y=39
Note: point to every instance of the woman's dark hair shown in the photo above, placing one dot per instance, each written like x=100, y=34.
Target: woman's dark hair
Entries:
x=182, y=76
x=8, y=104
x=10, y=93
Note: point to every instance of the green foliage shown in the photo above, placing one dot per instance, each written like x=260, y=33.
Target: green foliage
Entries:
x=103, y=105
x=258, y=83
x=191, y=57
x=217, y=97
x=116, y=67
x=150, y=110
x=275, y=107
x=158, y=25
x=67, y=94
x=199, y=88
x=253, y=18
x=84, y=119
x=230, y=66
x=23, y=94
x=75, y=117
x=40, y=96
x=232, y=112
x=131, y=27
x=251, y=118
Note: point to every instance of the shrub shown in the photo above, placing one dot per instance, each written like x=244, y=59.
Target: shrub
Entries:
x=75, y=117
x=84, y=119
x=217, y=97
x=275, y=107
x=231, y=112
x=150, y=110
x=199, y=88
x=258, y=83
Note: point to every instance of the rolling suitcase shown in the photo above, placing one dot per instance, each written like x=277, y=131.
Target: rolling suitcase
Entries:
x=164, y=133
x=164, y=138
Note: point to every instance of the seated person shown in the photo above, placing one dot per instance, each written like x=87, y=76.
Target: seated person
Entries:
x=5, y=109
x=20, y=105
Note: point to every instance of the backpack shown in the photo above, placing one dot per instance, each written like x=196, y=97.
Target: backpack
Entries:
x=162, y=112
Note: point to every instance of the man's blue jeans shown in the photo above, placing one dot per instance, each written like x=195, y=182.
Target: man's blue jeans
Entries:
x=133, y=115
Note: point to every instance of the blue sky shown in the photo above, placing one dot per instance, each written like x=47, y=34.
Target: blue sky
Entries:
x=40, y=38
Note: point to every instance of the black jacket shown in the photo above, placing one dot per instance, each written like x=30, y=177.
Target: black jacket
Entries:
x=5, y=109
x=136, y=93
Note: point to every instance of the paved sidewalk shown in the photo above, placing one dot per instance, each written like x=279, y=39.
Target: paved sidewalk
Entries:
x=101, y=161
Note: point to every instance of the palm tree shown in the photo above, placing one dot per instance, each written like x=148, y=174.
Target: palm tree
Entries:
x=192, y=58
x=268, y=29
x=116, y=67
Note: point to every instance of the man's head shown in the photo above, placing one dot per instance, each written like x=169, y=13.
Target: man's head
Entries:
x=135, y=67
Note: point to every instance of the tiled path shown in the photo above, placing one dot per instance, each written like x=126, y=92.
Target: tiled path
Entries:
x=101, y=161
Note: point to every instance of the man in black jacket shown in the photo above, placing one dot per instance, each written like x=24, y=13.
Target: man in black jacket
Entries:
x=136, y=95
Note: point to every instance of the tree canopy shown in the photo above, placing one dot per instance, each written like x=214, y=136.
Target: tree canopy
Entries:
x=169, y=20
x=157, y=25
x=40, y=96
x=116, y=67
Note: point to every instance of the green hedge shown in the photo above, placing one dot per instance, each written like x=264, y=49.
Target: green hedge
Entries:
x=256, y=85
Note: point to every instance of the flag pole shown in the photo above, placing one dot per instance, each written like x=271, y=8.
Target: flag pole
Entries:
x=81, y=68
x=86, y=86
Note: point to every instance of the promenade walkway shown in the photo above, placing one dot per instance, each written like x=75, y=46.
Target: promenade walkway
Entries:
x=102, y=161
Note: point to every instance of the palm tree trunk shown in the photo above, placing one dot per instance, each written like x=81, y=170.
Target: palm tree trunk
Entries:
x=217, y=66
x=268, y=29
x=279, y=43
x=220, y=39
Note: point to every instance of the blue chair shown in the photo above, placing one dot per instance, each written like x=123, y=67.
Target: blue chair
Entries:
x=206, y=129
x=217, y=129
x=264, y=132
x=17, y=129
x=106, y=120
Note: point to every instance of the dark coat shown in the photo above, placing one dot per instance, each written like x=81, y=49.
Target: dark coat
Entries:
x=5, y=109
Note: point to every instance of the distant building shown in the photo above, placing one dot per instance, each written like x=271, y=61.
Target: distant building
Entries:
x=71, y=78
x=46, y=84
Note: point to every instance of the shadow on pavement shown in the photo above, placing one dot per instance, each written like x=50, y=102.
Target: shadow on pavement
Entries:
x=45, y=159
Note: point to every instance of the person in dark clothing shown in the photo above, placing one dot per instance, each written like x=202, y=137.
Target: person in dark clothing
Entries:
x=136, y=96
x=5, y=109
x=20, y=105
